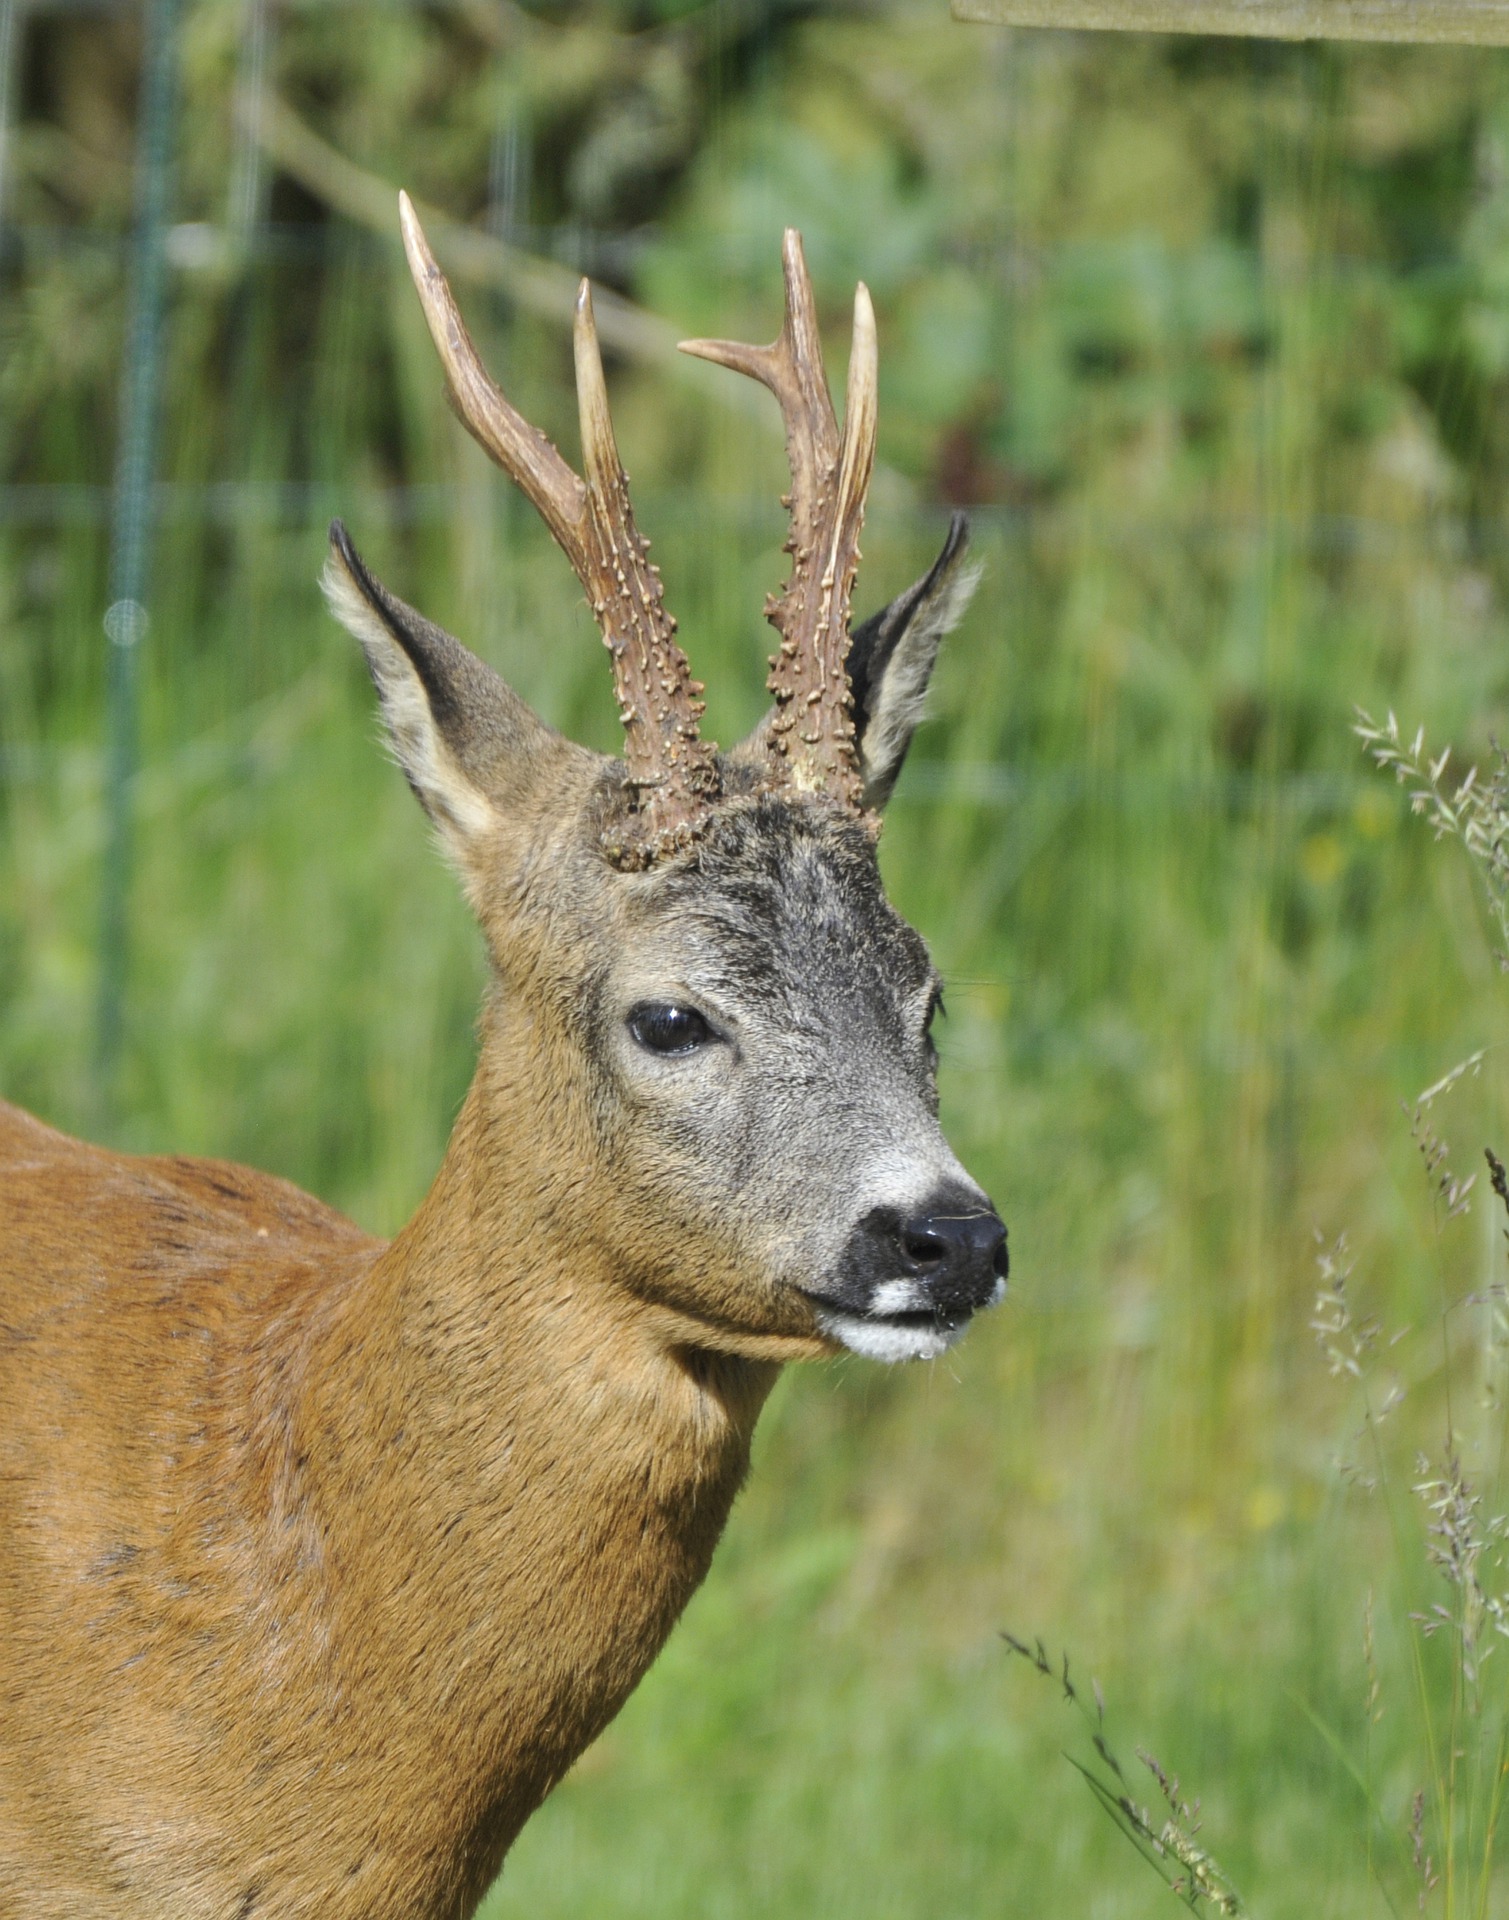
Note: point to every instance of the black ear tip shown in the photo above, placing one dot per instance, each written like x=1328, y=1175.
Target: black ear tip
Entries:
x=958, y=533
x=340, y=541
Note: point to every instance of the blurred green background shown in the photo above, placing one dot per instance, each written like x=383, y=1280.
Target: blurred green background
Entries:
x=1213, y=340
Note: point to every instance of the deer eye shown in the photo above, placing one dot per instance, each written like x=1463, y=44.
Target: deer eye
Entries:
x=669, y=1029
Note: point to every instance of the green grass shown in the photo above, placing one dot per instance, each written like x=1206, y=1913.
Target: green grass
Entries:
x=1229, y=396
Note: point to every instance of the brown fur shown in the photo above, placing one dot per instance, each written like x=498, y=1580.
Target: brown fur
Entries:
x=311, y=1633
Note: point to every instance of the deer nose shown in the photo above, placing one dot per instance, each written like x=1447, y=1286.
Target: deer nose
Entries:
x=958, y=1252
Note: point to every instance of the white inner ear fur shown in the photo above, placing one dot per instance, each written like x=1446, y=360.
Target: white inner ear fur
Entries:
x=897, y=704
x=460, y=810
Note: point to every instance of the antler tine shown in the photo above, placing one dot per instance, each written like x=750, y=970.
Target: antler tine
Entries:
x=672, y=773
x=792, y=367
x=521, y=450
x=861, y=404
x=812, y=731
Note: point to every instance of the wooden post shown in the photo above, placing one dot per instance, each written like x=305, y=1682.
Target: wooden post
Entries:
x=1463, y=22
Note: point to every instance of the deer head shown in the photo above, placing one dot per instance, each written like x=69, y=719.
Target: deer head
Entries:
x=708, y=1034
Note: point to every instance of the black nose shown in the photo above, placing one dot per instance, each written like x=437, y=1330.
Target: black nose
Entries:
x=958, y=1251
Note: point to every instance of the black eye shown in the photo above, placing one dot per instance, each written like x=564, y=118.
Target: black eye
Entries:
x=666, y=1029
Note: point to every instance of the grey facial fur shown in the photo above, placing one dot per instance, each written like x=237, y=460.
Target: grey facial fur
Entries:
x=815, y=1109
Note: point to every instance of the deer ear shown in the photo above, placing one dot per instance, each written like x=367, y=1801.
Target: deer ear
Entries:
x=470, y=747
x=891, y=660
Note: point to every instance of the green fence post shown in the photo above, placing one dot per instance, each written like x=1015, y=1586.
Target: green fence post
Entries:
x=131, y=514
x=10, y=39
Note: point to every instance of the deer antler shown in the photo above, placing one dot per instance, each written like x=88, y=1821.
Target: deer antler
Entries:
x=672, y=773
x=812, y=731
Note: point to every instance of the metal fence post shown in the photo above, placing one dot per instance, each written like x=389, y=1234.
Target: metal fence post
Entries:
x=131, y=512
x=248, y=181
x=10, y=41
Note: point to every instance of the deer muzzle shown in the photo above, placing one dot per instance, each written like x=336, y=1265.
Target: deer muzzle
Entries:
x=911, y=1281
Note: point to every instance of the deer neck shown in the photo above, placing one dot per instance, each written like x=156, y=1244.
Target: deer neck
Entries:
x=526, y=1481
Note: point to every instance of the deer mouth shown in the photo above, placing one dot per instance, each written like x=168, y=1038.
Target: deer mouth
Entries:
x=890, y=1331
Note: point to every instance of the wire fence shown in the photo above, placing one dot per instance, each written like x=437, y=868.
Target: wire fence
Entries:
x=138, y=504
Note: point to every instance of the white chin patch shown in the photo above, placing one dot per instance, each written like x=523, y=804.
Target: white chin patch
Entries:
x=888, y=1340
x=897, y=1296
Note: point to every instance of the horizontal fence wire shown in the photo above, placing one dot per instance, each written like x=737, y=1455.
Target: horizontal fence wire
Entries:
x=294, y=503
x=985, y=784
x=202, y=245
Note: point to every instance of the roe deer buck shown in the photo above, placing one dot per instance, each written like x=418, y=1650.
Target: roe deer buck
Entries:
x=323, y=1558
